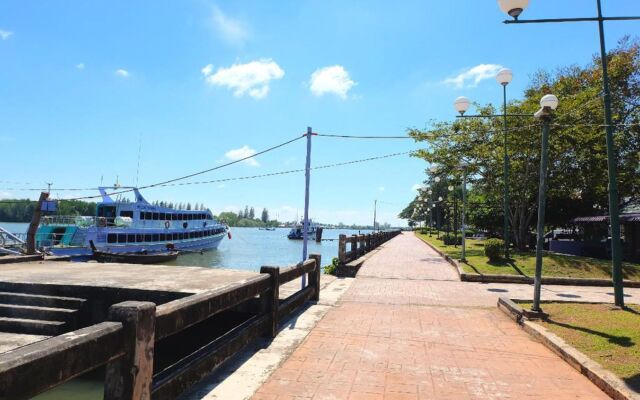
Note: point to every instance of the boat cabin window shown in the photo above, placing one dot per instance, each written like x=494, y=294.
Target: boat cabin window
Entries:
x=131, y=238
x=148, y=215
x=122, y=238
x=126, y=214
x=162, y=237
x=155, y=216
x=106, y=211
x=156, y=237
x=141, y=215
x=163, y=216
x=147, y=237
x=190, y=217
x=174, y=217
x=112, y=238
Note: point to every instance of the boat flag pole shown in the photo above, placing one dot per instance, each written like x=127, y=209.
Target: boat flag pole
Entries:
x=305, y=226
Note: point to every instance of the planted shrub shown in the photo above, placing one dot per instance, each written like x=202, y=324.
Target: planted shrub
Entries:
x=331, y=268
x=451, y=240
x=493, y=249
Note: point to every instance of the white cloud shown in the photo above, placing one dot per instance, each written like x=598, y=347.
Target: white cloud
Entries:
x=334, y=79
x=123, y=73
x=4, y=35
x=381, y=188
x=243, y=152
x=231, y=30
x=252, y=78
x=6, y=195
x=473, y=76
x=80, y=66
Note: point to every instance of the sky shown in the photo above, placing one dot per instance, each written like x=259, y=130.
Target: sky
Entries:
x=140, y=92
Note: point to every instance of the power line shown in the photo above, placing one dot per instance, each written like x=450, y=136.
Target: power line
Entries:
x=196, y=173
x=361, y=137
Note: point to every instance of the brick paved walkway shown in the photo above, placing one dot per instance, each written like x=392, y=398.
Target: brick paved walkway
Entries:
x=407, y=330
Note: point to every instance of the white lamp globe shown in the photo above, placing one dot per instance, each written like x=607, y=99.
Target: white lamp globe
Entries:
x=433, y=168
x=430, y=191
x=437, y=179
x=440, y=198
x=513, y=7
x=504, y=76
x=450, y=188
x=550, y=101
x=461, y=104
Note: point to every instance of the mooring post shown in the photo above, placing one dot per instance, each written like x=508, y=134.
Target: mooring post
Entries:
x=272, y=299
x=342, y=248
x=314, y=278
x=129, y=377
x=363, y=250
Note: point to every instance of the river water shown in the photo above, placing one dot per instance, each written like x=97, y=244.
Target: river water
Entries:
x=248, y=249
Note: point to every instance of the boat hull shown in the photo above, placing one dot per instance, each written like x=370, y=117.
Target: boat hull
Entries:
x=191, y=245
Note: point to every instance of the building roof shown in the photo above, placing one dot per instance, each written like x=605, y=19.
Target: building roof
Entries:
x=596, y=219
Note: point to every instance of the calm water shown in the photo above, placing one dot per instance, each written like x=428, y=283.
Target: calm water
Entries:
x=249, y=249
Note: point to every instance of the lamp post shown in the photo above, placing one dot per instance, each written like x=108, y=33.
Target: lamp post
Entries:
x=461, y=104
x=548, y=104
x=463, y=167
x=514, y=8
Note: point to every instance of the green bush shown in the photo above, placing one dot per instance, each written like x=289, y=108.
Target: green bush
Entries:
x=493, y=249
x=451, y=240
x=331, y=268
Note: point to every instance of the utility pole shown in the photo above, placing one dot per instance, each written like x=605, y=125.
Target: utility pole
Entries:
x=375, y=207
x=305, y=226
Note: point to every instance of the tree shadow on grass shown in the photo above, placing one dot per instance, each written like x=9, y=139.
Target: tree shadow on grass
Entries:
x=507, y=263
x=633, y=382
x=623, y=341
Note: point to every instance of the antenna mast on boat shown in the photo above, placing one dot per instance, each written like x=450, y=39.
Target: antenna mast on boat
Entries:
x=139, y=151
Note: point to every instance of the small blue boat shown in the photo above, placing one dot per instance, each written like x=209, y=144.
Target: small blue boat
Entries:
x=130, y=227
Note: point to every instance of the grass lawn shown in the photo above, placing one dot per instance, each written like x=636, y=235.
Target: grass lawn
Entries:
x=525, y=263
x=607, y=335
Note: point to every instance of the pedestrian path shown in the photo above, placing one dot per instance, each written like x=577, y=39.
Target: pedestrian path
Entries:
x=407, y=329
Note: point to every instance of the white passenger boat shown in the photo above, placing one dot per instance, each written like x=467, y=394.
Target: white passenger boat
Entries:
x=130, y=227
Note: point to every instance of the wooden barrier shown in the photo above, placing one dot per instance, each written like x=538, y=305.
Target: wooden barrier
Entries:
x=125, y=343
x=360, y=245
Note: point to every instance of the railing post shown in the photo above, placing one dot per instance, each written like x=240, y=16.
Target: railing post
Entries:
x=130, y=376
x=342, y=248
x=314, y=277
x=272, y=299
x=361, y=249
x=354, y=246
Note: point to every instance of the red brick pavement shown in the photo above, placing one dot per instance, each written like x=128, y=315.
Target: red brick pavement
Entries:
x=384, y=342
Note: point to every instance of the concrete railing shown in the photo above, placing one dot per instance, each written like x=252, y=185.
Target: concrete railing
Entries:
x=359, y=245
x=125, y=343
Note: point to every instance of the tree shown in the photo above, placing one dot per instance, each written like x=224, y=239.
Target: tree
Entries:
x=188, y=206
x=252, y=213
x=265, y=215
x=577, y=172
x=246, y=212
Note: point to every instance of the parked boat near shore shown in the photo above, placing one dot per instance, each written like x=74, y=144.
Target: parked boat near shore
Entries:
x=297, y=232
x=130, y=227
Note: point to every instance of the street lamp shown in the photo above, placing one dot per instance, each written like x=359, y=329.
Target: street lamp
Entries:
x=461, y=105
x=548, y=104
x=511, y=7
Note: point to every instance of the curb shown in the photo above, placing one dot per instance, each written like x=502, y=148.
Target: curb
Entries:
x=604, y=379
x=546, y=280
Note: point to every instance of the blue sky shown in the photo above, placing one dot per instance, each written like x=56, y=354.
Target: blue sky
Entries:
x=199, y=82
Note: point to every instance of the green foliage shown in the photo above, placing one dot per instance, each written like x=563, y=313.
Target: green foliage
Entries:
x=331, y=268
x=493, y=249
x=22, y=210
x=577, y=182
x=451, y=240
